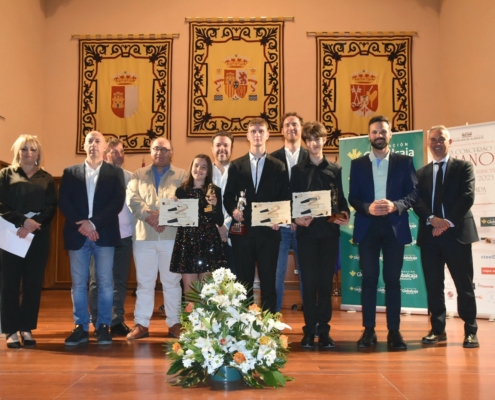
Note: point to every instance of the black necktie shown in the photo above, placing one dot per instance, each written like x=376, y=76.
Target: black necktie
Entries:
x=437, y=198
x=256, y=183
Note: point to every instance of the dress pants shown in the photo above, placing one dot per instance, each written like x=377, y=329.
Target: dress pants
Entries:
x=121, y=267
x=317, y=260
x=380, y=237
x=229, y=255
x=16, y=314
x=435, y=253
x=257, y=247
x=151, y=257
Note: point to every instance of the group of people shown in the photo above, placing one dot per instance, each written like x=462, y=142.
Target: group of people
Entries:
x=111, y=213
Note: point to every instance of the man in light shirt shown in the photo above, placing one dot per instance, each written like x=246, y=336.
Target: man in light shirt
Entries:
x=91, y=197
x=382, y=187
x=154, y=243
x=222, y=145
x=263, y=179
x=291, y=154
x=114, y=154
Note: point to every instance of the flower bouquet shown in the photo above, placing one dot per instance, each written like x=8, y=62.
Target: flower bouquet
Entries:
x=220, y=328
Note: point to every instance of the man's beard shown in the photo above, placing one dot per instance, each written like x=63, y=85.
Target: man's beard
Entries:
x=379, y=146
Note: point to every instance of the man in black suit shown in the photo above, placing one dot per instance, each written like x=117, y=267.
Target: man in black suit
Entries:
x=382, y=187
x=263, y=179
x=445, y=234
x=91, y=195
x=291, y=154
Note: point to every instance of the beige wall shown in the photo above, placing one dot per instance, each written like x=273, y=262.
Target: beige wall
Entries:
x=38, y=80
x=22, y=75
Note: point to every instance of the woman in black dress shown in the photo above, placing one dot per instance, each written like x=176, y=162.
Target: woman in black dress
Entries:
x=198, y=250
x=28, y=200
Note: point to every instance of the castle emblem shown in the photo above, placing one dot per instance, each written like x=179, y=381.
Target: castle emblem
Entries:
x=124, y=96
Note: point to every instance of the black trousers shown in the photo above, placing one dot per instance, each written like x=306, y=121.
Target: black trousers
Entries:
x=22, y=314
x=257, y=248
x=317, y=259
x=380, y=237
x=229, y=255
x=435, y=253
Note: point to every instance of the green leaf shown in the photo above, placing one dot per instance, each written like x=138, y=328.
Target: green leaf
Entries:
x=175, y=367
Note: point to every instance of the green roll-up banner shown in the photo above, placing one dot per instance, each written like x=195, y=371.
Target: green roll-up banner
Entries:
x=412, y=281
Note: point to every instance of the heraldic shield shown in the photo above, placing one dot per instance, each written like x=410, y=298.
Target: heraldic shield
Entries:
x=124, y=95
x=364, y=93
x=236, y=83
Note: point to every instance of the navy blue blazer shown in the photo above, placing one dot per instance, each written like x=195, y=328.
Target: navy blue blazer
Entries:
x=402, y=190
x=107, y=203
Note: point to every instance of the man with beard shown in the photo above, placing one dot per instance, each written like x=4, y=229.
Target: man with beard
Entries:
x=291, y=154
x=222, y=145
x=382, y=187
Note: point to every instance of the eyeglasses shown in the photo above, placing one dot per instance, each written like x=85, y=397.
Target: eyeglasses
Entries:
x=162, y=150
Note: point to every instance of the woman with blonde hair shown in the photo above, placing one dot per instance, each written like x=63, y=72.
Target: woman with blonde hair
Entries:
x=27, y=200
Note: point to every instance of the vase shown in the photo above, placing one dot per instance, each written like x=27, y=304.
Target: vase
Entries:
x=226, y=378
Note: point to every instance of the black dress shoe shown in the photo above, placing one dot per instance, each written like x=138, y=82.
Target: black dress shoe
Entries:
x=470, y=341
x=326, y=341
x=368, y=338
x=12, y=340
x=434, y=337
x=27, y=339
x=308, y=340
x=120, y=329
x=395, y=341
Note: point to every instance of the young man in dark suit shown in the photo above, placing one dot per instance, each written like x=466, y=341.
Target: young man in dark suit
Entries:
x=291, y=154
x=91, y=197
x=263, y=179
x=446, y=231
x=382, y=187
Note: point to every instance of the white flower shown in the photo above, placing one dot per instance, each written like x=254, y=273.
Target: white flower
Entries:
x=221, y=274
x=275, y=323
x=222, y=300
x=188, y=358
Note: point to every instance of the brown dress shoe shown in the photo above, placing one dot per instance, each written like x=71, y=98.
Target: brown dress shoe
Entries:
x=174, y=331
x=138, y=332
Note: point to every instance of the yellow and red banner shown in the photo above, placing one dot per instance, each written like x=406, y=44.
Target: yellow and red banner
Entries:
x=124, y=90
x=236, y=73
x=359, y=76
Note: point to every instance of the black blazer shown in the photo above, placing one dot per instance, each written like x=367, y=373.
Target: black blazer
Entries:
x=107, y=203
x=458, y=197
x=280, y=155
x=273, y=186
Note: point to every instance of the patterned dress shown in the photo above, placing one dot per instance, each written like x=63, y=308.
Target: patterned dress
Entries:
x=199, y=249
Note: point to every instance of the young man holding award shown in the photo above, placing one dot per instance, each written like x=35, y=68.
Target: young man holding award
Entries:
x=318, y=237
x=262, y=178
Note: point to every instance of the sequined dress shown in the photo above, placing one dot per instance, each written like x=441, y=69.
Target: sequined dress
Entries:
x=199, y=249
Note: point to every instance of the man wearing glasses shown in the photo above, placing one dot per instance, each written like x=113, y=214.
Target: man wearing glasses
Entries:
x=154, y=243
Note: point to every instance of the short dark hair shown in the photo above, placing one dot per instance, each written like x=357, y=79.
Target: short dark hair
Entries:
x=378, y=118
x=291, y=114
x=258, y=121
x=313, y=128
x=224, y=134
x=111, y=143
x=189, y=182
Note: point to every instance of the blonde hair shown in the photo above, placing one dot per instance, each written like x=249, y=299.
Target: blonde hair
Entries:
x=20, y=143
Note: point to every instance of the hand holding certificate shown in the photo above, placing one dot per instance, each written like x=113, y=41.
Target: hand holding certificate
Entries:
x=311, y=204
x=183, y=212
x=271, y=213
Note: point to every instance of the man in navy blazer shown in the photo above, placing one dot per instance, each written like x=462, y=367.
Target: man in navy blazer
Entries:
x=445, y=235
x=291, y=154
x=91, y=197
x=383, y=186
x=263, y=178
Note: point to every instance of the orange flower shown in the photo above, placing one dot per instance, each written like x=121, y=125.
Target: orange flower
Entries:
x=239, y=358
x=264, y=340
x=190, y=307
x=177, y=348
x=284, y=340
x=254, y=307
